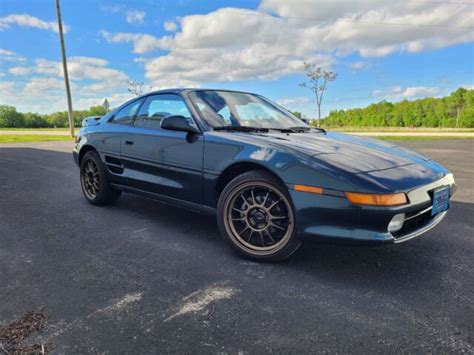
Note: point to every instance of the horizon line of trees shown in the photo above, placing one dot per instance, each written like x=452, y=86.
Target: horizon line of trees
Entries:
x=455, y=110
x=11, y=118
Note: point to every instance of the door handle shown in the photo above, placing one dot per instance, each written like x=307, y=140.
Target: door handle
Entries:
x=129, y=142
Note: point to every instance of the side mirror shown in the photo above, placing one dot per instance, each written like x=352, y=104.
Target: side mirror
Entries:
x=305, y=120
x=177, y=123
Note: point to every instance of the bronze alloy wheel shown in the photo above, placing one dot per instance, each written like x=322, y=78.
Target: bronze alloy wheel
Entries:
x=90, y=179
x=259, y=218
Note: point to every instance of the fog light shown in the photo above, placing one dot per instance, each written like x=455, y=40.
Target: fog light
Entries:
x=396, y=223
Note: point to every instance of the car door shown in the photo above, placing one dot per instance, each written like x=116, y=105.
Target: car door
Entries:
x=108, y=139
x=161, y=161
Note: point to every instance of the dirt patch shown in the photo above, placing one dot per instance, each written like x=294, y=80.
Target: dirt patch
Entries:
x=13, y=335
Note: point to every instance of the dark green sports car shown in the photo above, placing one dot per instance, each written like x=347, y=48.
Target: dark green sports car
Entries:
x=269, y=178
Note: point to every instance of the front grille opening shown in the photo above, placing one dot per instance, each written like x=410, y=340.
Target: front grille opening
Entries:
x=414, y=224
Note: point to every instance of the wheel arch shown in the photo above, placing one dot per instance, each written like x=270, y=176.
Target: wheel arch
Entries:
x=238, y=168
x=84, y=149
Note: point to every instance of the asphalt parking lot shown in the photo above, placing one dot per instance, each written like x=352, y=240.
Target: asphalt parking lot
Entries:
x=143, y=277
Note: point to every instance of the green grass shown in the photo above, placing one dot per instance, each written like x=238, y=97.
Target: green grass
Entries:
x=400, y=129
x=420, y=138
x=14, y=138
x=38, y=129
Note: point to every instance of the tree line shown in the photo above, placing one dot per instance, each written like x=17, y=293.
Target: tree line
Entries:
x=455, y=110
x=11, y=118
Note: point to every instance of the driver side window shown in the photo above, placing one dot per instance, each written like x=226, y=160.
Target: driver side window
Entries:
x=125, y=115
x=157, y=107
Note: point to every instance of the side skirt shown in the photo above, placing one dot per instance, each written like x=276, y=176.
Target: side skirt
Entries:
x=167, y=200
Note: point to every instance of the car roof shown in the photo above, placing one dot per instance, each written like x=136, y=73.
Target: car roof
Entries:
x=181, y=90
x=175, y=91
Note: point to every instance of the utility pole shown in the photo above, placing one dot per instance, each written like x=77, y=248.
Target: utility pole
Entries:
x=66, y=76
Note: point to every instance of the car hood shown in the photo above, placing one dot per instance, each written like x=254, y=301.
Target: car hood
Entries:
x=350, y=153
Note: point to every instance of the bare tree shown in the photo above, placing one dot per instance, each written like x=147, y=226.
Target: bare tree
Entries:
x=318, y=80
x=137, y=88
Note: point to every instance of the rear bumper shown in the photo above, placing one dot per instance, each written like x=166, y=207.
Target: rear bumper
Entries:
x=325, y=217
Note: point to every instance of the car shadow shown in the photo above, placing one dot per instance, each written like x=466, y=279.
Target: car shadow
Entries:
x=383, y=268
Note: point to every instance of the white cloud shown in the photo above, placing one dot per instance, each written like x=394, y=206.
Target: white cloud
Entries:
x=28, y=21
x=381, y=27
x=170, y=26
x=37, y=86
x=142, y=42
x=294, y=101
x=140, y=60
x=114, y=100
x=10, y=56
x=89, y=61
x=237, y=44
x=135, y=16
x=20, y=70
x=6, y=87
x=91, y=81
x=411, y=92
x=359, y=65
x=79, y=68
x=6, y=52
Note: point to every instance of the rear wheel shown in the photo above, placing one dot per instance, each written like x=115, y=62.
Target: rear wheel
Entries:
x=95, y=186
x=256, y=216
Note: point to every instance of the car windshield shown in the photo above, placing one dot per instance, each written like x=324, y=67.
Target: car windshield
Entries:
x=226, y=109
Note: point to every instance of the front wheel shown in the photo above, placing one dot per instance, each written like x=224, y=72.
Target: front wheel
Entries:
x=95, y=186
x=256, y=216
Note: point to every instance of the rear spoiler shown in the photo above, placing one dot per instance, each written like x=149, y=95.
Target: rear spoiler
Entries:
x=91, y=121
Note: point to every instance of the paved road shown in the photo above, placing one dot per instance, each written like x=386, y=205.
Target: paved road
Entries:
x=140, y=276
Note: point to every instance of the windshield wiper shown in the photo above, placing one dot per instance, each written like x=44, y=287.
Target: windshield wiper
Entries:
x=320, y=129
x=240, y=129
x=301, y=129
x=307, y=129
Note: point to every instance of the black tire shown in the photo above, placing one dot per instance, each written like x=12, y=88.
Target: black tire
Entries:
x=259, y=205
x=94, y=184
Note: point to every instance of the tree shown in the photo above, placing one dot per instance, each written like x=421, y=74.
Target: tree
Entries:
x=97, y=111
x=137, y=88
x=454, y=110
x=34, y=120
x=10, y=117
x=318, y=80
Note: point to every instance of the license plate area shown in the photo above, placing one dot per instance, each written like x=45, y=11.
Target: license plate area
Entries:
x=440, y=200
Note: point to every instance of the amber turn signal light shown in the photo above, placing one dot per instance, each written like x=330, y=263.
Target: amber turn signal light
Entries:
x=312, y=189
x=377, y=199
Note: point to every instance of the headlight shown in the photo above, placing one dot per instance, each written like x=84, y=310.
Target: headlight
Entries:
x=377, y=199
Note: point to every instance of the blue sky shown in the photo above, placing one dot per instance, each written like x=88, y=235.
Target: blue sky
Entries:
x=380, y=49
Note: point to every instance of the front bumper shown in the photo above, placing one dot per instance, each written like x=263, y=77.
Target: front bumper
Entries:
x=75, y=156
x=333, y=218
